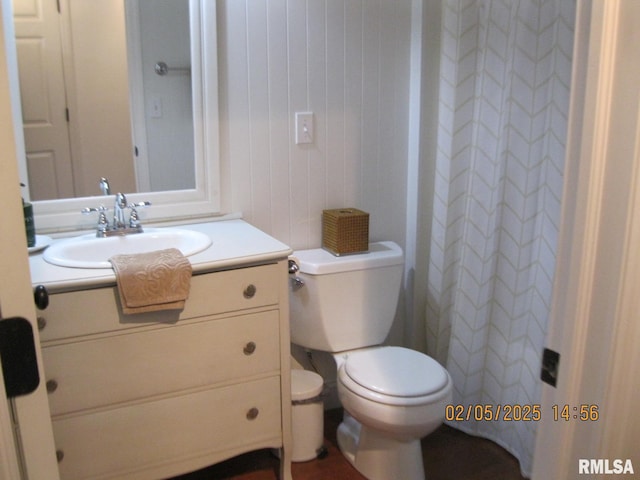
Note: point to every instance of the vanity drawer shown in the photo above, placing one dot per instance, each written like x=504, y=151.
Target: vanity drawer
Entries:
x=126, y=441
x=87, y=312
x=120, y=368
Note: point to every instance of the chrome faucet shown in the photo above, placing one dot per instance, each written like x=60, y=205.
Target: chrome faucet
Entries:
x=119, y=226
x=118, y=211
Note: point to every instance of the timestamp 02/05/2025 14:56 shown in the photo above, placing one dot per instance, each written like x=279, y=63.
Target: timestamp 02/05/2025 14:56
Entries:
x=519, y=413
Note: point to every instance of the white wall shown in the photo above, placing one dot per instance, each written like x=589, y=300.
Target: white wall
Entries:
x=348, y=63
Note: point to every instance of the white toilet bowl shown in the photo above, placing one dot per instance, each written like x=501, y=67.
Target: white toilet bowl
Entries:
x=392, y=397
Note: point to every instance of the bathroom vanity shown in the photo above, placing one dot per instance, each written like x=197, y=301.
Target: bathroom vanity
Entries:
x=154, y=395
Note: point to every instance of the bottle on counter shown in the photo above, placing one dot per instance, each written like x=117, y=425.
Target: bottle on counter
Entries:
x=29, y=223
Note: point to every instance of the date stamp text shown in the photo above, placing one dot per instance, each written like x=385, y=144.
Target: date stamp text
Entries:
x=519, y=413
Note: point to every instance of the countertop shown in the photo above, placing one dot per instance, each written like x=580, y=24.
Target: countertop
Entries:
x=235, y=243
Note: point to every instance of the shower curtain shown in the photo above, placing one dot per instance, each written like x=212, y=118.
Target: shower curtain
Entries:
x=503, y=107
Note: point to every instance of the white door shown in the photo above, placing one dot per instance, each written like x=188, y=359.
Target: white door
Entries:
x=31, y=412
x=44, y=101
x=594, y=322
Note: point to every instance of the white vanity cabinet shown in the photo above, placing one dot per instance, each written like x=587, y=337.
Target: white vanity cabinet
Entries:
x=159, y=394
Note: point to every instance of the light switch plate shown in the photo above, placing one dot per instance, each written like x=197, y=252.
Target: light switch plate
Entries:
x=304, y=128
x=155, y=107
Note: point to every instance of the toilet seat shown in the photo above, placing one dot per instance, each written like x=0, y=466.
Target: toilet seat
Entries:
x=394, y=376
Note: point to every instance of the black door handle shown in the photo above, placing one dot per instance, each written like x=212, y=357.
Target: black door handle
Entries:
x=18, y=357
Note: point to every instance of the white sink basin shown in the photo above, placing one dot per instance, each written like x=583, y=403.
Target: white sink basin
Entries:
x=88, y=251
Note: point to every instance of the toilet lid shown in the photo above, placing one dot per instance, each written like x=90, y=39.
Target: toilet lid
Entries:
x=396, y=371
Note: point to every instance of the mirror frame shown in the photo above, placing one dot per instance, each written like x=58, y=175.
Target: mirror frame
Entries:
x=202, y=201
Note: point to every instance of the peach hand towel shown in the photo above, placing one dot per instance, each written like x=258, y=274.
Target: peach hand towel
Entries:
x=148, y=282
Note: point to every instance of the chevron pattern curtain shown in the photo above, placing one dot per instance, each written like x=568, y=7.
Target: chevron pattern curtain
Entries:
x=504, y=102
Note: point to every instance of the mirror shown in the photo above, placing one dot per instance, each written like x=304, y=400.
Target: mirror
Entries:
x=139, y=99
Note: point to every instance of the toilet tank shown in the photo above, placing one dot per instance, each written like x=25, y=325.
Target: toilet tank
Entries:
x=347, y=302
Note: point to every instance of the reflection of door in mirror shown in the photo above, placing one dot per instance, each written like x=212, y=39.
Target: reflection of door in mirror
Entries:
x=77, y=89
x=43, y=100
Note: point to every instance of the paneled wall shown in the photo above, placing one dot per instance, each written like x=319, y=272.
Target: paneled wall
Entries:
x=347, y=61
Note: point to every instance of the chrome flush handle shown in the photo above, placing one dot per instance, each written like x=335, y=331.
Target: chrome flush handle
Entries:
x=296, y=282
x=293, y=266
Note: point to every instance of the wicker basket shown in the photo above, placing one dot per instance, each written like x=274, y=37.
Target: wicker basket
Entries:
x=345, y=231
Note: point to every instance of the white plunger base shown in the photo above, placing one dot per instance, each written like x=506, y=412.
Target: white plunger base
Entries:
x=378, y=456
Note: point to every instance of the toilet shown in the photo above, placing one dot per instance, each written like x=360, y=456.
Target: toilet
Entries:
x=392, y=396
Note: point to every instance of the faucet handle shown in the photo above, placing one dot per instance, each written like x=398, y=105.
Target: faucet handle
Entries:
x=90, y=210
x=139, y=204
x=103, y=223
x=134, y=219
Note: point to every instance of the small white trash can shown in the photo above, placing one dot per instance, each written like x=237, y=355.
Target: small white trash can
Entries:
x=307, y=415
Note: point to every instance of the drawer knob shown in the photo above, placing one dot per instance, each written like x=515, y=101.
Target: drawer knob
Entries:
x=252, y=414
x=59, y=455
x=250, y=291
x=249, y=348
x=52, y=386
x=41, y=297
x=42, y=322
